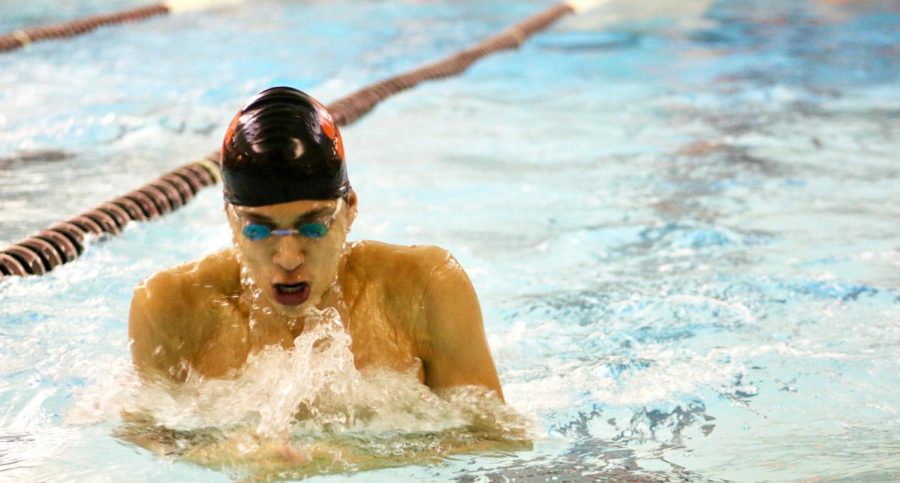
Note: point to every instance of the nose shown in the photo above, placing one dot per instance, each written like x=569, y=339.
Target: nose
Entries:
x=289, y=253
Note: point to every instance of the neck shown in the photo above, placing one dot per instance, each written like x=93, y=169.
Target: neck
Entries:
x=334, y=296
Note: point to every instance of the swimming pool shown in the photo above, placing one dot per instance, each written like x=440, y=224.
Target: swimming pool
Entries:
x=682, y=226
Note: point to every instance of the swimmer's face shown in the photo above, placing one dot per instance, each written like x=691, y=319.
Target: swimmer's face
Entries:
x=297, y=264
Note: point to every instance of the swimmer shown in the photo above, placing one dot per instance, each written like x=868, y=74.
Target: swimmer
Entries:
x=290, y=206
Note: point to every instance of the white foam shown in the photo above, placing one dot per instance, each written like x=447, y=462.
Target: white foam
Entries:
x=312, y=393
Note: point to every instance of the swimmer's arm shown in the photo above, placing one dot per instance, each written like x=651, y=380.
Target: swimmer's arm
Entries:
x=159, y=345
x=456, y=350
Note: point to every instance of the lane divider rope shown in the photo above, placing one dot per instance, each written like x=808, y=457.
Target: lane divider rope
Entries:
x=63, y=242
x=22, y=37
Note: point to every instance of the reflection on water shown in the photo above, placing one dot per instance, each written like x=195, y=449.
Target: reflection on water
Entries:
x=34, y=156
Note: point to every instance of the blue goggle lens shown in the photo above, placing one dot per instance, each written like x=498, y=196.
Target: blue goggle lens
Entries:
x=256, y=232
x=313, y=230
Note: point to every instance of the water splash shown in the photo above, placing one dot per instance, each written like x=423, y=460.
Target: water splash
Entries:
x=301, y=411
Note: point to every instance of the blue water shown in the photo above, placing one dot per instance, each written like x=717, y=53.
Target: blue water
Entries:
x=681, y=221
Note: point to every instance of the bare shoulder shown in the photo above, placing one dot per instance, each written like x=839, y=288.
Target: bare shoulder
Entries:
x=174, y=288
x=399, y=278
x=443, y=311
x=413, y=280
x=416, y=264
x=170, y=310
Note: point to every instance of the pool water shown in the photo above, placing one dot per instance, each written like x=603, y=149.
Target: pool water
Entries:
x=682, y=223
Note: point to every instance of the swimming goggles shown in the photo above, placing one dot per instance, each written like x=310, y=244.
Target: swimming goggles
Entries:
x=254, y=231
x=313, y=230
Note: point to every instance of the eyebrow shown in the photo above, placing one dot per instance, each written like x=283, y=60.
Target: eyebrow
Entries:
x=310, y=215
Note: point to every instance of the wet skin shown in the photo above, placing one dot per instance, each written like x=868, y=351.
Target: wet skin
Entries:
x=410, y=309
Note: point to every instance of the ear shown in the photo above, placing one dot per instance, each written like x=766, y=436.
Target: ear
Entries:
x=233, y=222
x=229, y=213
x=351, y=208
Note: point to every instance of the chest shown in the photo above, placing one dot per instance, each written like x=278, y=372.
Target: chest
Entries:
x=380, y=337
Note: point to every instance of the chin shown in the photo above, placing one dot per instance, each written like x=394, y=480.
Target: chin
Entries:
x=297, y=310
x=292, y=311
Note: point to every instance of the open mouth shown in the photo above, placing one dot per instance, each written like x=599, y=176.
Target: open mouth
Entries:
x=291, y=294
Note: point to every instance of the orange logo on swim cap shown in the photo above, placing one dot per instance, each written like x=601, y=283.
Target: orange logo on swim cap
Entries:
x=230, y=131
x=328, y=126
x=330, y=129
x=338, y=142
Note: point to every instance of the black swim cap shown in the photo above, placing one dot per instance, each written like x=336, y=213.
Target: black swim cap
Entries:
x=283, y=146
